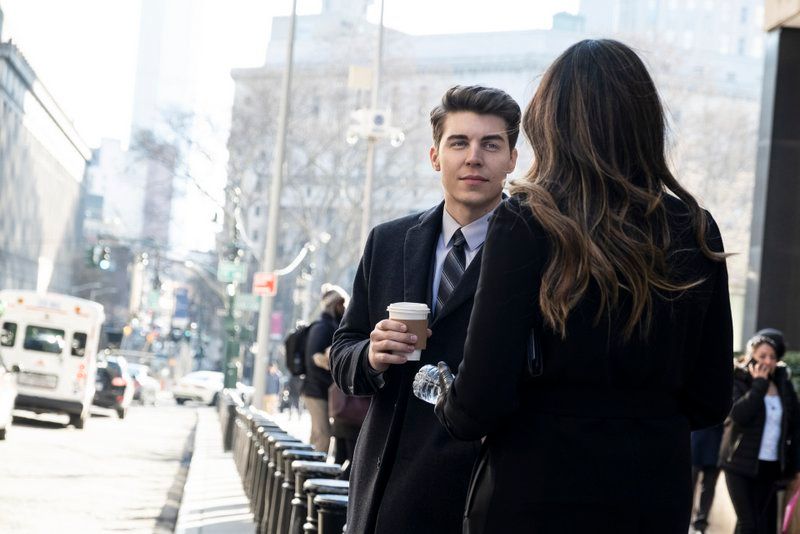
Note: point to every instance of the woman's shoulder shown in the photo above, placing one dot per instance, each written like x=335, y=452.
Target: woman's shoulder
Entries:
x=515, y=212
x=682, y=223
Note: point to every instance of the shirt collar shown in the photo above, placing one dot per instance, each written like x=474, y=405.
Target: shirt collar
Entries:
x=474, y=232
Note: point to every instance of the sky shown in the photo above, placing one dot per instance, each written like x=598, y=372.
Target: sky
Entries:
x=85, y=51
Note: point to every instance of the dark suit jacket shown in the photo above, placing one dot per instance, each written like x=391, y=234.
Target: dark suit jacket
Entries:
x=408, y=474
x=599, y=442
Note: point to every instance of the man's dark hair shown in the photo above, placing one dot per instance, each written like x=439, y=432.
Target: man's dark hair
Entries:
x=480, y=100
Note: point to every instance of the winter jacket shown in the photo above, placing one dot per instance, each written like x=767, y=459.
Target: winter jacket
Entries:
x=741, y=440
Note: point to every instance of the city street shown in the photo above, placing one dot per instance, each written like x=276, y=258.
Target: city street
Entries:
x=121, y=475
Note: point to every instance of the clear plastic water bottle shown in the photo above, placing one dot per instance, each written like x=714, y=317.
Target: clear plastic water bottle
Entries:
x=427, y=382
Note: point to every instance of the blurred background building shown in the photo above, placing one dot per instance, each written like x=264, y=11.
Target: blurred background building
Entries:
x=42, y=163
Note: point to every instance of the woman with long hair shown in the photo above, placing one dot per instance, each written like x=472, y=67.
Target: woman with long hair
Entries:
x=619, y=277
x=761, y=440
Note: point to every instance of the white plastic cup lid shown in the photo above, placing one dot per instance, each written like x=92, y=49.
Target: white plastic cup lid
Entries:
x=406, y=308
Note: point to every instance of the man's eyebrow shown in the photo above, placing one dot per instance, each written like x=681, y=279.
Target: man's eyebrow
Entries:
x=489, y=137
x=493, y=137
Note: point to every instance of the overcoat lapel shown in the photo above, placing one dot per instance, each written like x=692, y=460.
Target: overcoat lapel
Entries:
x=418, y=252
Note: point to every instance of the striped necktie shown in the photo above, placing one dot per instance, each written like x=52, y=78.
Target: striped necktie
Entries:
x=452, y=270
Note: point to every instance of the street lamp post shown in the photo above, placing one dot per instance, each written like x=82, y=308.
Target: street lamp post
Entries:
x=232, y=342
x=264, y=357
x=366, y=214
x=372, y=124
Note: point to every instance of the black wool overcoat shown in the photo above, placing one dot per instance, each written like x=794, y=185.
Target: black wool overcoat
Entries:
x=409, y=475
x=598, y=441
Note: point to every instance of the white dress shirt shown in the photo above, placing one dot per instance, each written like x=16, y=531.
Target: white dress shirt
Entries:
x=474, y=234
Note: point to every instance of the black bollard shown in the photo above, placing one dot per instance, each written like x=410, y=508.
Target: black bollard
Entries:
x=319, y=486
x=259, y=441
x=304, y=471
x=229, y=409
x=263, y=473
x=255, y=458
x=275, y=444
x=276, y=484
x=331, y=513
x=290, y=459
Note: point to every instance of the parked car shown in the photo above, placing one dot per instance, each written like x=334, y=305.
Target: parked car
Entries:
x=203, y=386
x=8, y=394
x=145, y=387
x=114, y=385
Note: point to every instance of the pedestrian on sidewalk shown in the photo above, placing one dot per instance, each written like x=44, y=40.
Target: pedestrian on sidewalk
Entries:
x=409, y=475
x=273, y=389
x=318, y=378
x=705, y=471
x=612, y=267
x=761, y=441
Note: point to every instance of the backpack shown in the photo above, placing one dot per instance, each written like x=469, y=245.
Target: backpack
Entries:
x=295, y=347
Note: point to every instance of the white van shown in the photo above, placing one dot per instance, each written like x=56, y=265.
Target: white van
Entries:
x=53, y=340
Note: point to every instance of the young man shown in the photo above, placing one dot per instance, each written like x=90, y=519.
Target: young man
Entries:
x=408, y=474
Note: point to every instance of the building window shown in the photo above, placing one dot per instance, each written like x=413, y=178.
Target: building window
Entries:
x=741, y=46
x=730, y=77
x=743, y=15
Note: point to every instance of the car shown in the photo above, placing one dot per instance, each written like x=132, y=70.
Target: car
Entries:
x=203, y=386
x=146, y=387
x=8, y=394
x=114, y=385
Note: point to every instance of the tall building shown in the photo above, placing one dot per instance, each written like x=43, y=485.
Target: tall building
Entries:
x=42, y=162
x=710, y=84
x=165, y=94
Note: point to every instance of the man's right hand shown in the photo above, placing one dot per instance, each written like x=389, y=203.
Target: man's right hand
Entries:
x=387, y=338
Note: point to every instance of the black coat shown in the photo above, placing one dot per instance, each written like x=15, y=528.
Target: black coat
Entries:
x=409, y=475
x=741, y=440
x=320, y=337
x=599, y=441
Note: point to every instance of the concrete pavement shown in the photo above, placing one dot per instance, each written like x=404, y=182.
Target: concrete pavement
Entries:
x=213, y=500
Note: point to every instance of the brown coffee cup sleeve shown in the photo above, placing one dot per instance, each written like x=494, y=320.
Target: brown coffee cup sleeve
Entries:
x=420, y=329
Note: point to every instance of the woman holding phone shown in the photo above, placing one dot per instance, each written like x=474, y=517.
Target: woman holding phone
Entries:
x=621, y=277
x=761, y=442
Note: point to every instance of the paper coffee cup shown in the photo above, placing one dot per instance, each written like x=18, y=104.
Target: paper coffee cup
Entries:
x=415, y=316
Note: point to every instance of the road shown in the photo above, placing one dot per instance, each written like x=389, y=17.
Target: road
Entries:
x=115, y=475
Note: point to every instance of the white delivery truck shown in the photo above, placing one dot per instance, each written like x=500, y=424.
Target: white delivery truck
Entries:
x=53, y=339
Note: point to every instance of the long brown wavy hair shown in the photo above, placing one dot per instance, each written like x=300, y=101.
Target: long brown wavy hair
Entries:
x=598, y=182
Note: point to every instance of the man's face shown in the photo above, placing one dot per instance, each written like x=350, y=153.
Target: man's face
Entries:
x=474, y=158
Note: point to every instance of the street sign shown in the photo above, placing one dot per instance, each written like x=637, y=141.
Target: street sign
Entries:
x=265, y=284
x=229, y=271
x=247, y=302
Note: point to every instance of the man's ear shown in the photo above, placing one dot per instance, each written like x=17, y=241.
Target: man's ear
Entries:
x=434, y=155
x=512, y=163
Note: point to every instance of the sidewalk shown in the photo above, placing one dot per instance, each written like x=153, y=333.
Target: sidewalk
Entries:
x=213, y=499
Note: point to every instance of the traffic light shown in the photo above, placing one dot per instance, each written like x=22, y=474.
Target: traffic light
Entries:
x=233, y=252
x=99, y=256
